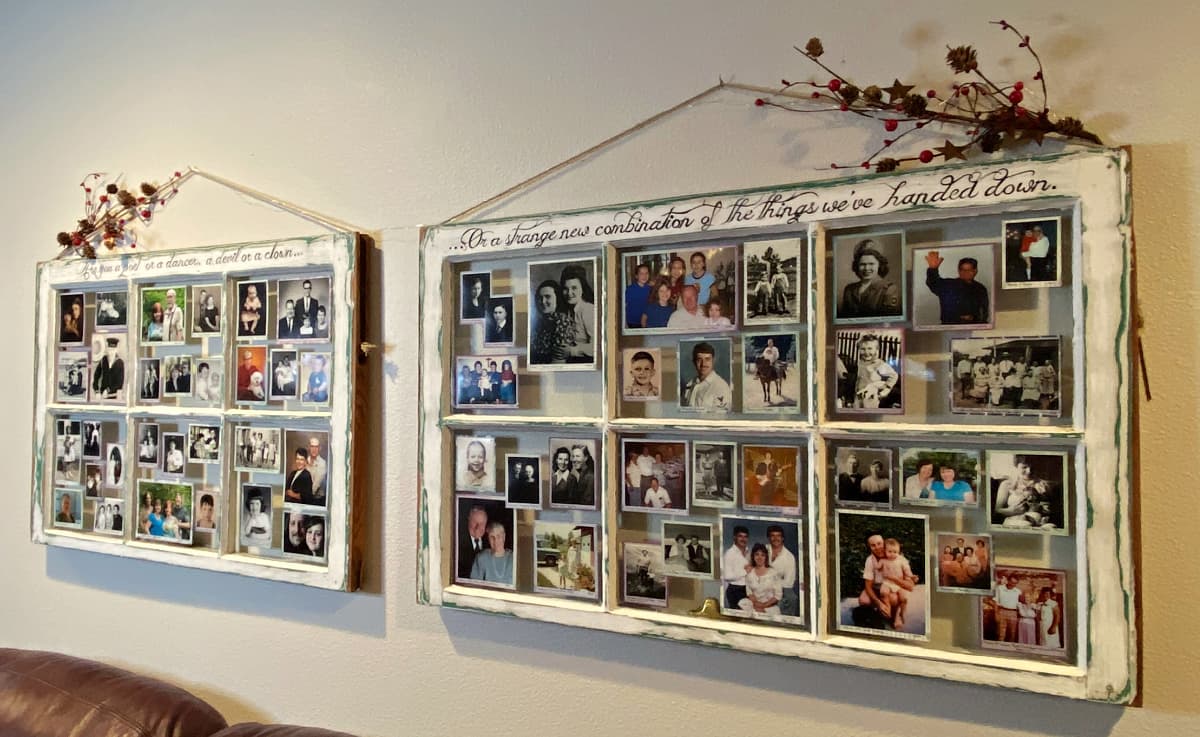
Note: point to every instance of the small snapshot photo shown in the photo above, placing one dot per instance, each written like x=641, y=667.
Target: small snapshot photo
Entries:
x=251, y=381
x=206, y=309
x=177, y=376
x=285, y=375
x=498, y=326
x=256, y=448
x=868, y=277
x=964, y=562
x=714, y=474
x=112, y=311
x=645, y=574
x=311, y=309
x=1026, y=613
x=204, y=443
x=68, y=508
x=254, y=520
x=772, y=278
x=207, y=511
x=562, y=317
x=165, y=511
x=691, y=290
x=149, y=379
x=573, y=473
x=953, y=287
x=523, y=482
x=252, y=309
x=209, y=381
x=486, y=548
x=1009, y=376
x=770, y=478
x=869, y=364
x=882, y=581
x=73, y=375
x=173, y=459
x=1027, y=491
x=148, y=440
x=163, y=310
x=108, y=516
x=940, y=478
x=641, y=374
x=108, y=367
x=705, y=375
x=486, y=381
x=474, y=463
x=566, y=559
x=475, y=289
x=687, y=549
x=863, y=477
x=656, y=478
x=70, y=319
x=304, y=534
x=314, y=377
x=307, y=467
x=760, y=569
x=770, y=372
x=68, y=458
x=1032, y=253
x=92, y=435
x=114, y=465
x=93, y=480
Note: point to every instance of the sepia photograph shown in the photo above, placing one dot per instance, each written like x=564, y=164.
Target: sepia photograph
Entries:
x=562, y=316
x=163, y=311
x=68, y=508
x=254, y=516
x=882, y=581
x=863, y=477
x=964, y=562
x=1026, y=613
x=475, y=463
x=148, y=444
x=641, y=374
x=251, y=381
x=164, y=511
x=73, y=375
x=71, y=324
x=304, y=535
x=253, y=314
x=1006, y=376
x=573, y=473
x=304, y=309
x=475, y=289
x=486, y=381
x=770, y=478
x=645, y=579
x=771, y=372
x=772, y=272
x=256, y=448
x=149, y=379
x=1027, y=491
x=523, y=482
x=953, y=287
x=761, y=576
x=656, y=478
x=1032, y=253
x=940, y=478
x=206, y=310
x=714, y=474
x=204, y=443
x=112, y=311
x=687, y=549
x=705, y=373
x=868, y=277
x=690, y=290
x=565, y=561
x=486, y=548
x=498, y=327
x=870, y=364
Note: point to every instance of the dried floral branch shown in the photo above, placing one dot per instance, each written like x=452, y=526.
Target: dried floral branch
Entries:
x=108, y=208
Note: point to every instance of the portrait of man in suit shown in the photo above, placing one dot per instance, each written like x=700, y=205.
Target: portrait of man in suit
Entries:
x=304, y=308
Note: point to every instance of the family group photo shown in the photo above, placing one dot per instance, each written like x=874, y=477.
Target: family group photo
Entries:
x=1026, y=612
x=680, y=291
x=486, y=381
x=1018, y=376
x=964, y=562
x=656, y=478
x=164, y=511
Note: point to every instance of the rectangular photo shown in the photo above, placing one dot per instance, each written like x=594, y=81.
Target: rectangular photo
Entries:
x=760, y=569
x=177, y=376
x=253, y=314
x=108, y=367
x=73, y=375
x=165, y=512
x=566, y=559
x=1027, y=491
x=209, y=384
x=964, y=562
x=498, y=327
x=705, y=373
x=68, y=508
x=174, y=461
x=1026, y=613
x=71, y=323
x=714, y=474
x=148, y=440
x=486, y=381
x=308, y=467
x=687, y=549
x=1008, y=376
x=108, y=516
x=251, y=381
x=112, y=311
x=939, y=477
x=641, y=374
x=93, y=480
x=304, y=535
x=149, y=380
x=256, y=448
x=687, y=290
x=955, y=292
x=772, y=272
x=208, y=510
x=204, y=443
x=486, y=549
x=92, y=437
x=645, y=572
x=254, y=516
x=162, y=313
x=475, y=463
x=770, y=478
x=1032, y=253
x=305, y=309
x=573, y=473
x=868, y=278
x=523, y=481
x=474, y=290
x=285, y=375
x=562, y=319
x=206, y=309
x=114, y=466
x=770, y=372
x=68, y=462
x=882, y=581
x=656, y=477
x=314, y=377
x=863, y=477
x=870, y=366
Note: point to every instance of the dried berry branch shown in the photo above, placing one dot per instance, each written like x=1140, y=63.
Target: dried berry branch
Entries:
x=108, y=208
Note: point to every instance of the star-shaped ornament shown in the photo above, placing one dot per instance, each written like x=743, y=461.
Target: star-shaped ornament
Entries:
x=897, y=91
x=951, y=151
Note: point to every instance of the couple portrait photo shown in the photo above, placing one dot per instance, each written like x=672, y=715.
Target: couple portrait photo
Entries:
x=486, y=548
x=761, y=575
x=687, y=549
x=573, y=473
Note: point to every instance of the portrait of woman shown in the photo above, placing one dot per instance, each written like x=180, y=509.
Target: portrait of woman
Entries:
x=548, y=330
x=562, y=328
x=252, y=317
x=154, y=327
x=763, y=587
x=475, y=288
x=494, y=564
x=71, y=325
x=872, y=293
x=256, y=515
x=208, y=313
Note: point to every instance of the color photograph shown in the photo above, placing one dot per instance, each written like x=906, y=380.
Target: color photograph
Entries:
x=1027, y=491
x=771, y=372
x=868, y=277
x=714, y=474
x=251, y=381
x=688, y=290
x=163, y=311
x=177, y=376
x=208, y=511
x=656, y=478
x=1026, y=613
x=940, y=478
x=68, y=508
x=486, y=549
x=1006, y=376
x=164, y=511
x=645, y=579
x=882, y=585
x=870, y=365
x=761, y=575
x=562, y=316
x=304, y=535
x=687, y=549
x=772, y=271
x=486, y=381
x=770, y=478
x=953, y=287
x=1032, y=253
x=964, y=562
x=566, y=559
x=307, y=477
x=314, y=377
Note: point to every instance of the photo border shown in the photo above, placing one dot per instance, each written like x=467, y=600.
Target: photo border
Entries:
x=540, y=482
x=109, y=500
x=735, y=474
x=531, y=313
x=1058, y=654
x=799, y=408
x=900, y=269
x=461, y=442
x=56, y=491
x=499, y=358
x=303, y=511
x=762, y=509
x=191, y=331
x=596, y=449
x=139, y=535
x=1057, y=413
x=737, y=311
x=679, y=354
x=937, y=564
x=714, y=547
x=239, y=539
x=116, y=328
x=656, y=353
x=902, y=501
x=462, y=297
x=279, y=449
x=159, y=380
x=188, y=455
x=687, y=457
x=879, y=332
x=1065, y=530
x=750, y=323
x=626, y=599
x=157, y=446
x=273, y=326
x=993, y=289
x=162, y=388
x=801, y=569
x=264, y=317
x=84, y=339
x=1058, y=250
x=575, y=594
x=860, y=504
x=108, y=449
x=837, y=582
x=162, y=454
x=270, y=380
x=74, y=350
x=516, y=567
x=143, y=341
x=512, y=314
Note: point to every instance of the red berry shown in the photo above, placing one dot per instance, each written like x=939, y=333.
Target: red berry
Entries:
x=833, y=166
x=178, y=174
x=845, y=107
x=1015, y=96
x=1019, y=86
x=815, y=95
x=965, y=89
x=866, y=164
x=888, y=142
x=76, y=240
x=926, y=156
x=931, y=93
x=103, y=198
x=87, y=190
x=890, y=124
x=145, y=213
x=835, y=85
x=760, y=102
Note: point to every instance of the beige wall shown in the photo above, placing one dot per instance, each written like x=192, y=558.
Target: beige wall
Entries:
x=388, y=115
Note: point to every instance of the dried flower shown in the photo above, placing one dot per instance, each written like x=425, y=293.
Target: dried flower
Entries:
x=990, y=141
x=914, y=105
x=849, y=93
x=962, y=59
x=88, y=251
x=873, y=94
x=148, y=188
x=126, y=199
x=814, y=48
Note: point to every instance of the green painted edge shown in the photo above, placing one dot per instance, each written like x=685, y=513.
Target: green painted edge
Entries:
x=39, y=441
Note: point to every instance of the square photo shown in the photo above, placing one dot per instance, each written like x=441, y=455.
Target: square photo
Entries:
x=163, y=308
x=254, y=516
x=67, y=446
x=964, y=562
x=93, y=480
x=304, y=308
x=474, y=290
x=770, y=478
x=304, y=535
x=523, y=482
x=714, y=474
x=149, y=380
x=209, y=380
x=251, y=381
x=148, y=444
x=474, y=463
x=1026, y=613
x=173, y=459
x=562, y=321
x=112, y=311
x=705, y=373
x=489, y=381
x=256, y=448
x=573, y=473
x=498, y=327
x=645, y=572
x=1027, y=491
x=252, y=309
x=114, y=466
x=206, y=309
x=760, y=570
x=956, y=292
x=177, y=376
x=689, y=290
x=566, y=559
x=204, y=443
x=70, y=319
x=165, y=511
x=486, y=549
x=863, y=476
x=1006, y=376
x=314, y=377
x=687, y=549
x=285, y=375
x=108, y=516
x=73, y=375
x=870, y=365
x=940, y=478
x=68, y=508
x=882, y=581
x=656, y=478
x=1032, y=253
x=770, y=372
x=308, y=467
x=108, y=367
x=641, y=374
x=92, y=436
x=868, y=277
x=207, y=511
x=772, y=276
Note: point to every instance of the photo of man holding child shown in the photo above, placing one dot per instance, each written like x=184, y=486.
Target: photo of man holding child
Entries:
x=881, y=573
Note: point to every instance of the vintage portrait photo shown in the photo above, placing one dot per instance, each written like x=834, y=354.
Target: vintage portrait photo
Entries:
x=256, y=448
x=1027, y=491
x=869, y=363
x=760, y=569
x=498, y=326
x=1026, y=613
x=304, y=309
x=474, y=463
x=70, y=318
x=108, y=368
x=770, y=373
x=486, y=549
x=285, y=375
x=208, y=383
x=92, y=436
x=314, y=377
x=163, y=311
x=253, y=314
x=68, y=508
x=691, y=290
x=868, y=277
x=307, y=478
x=952, y=287
x=705, y=373
x=1032, y=253
x=149, y=380
x=486, y=380
x=73, y=375
x=964, y=562
x=304, y=535
x=251, y=382
x=112, y=311
x=687, y=549
x=173, y=458
x=714, y=474
x=67, y=451
x=573, y=473
x=1011, y=376
x=254, y=516
x=148, y=444
x=566, y=559
x=177, y=376
x=882, y=582
x=523, y=482
x=108, y=517
x=475, y=289
x=164, y=511
x=863, y=477
x=206, y=309
x=656, y=478
x=562, y=315
x=114, y=465
x=93, y=480
x=770, y=478
x=207, y=512
x=641, y=374
x=204, y=443
x=645, y=572
x=772, y=273
x=940, y=478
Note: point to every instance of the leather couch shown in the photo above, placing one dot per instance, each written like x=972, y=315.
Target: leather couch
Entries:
x=44, y=694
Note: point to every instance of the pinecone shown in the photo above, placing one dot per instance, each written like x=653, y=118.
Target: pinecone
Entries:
x=849, y=93
x=87, y=251
x=148, y=188
x=886, y=165
x=873, y=94
x=1069, y=126
x=914, y=106
x=85, y=227
x=111, y=189
x=962, y=59
x=814, y=48
x=126, y=199
x=990, y=141
x=64, y=239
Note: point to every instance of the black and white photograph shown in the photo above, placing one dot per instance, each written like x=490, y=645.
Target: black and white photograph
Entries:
x=71, y=323
x=1006, y=376
x=204, y=443
x=645, y=572
x=208, y=383
x=108, y=368
x=307, y=479
x=112, y=311
x=1027, y=491
x=68, y=508
x=304, y=535
x=207, y=511
x=1026, y=612
x=771, y=478
x=163, y=310
x=868, y=277
x=475, y=464
x=964, y=562
x=93, y=434
x=863, y=477
x=566, y=559
x=114, y=465
x=562, y=315
x=498, y=329
x=149, y=379
x=165, y=511
x=254, y=516
x=573, y=481
x=108, y=516
x=714, y=474
x=206, y=309
x=485, y=549
x=253, y=314
x=761, y=574
x=174, y=457
x=93, y=480
x=687, y=549
x=68, y=447
x=523, y=481
x=773, y=274
x=252, y=374
x=870, y=364
x=314, y=377
x=771, y=372
x=706, y=375
x=1032, y=253
x=953, y=287
x=641, y=374
x=689, y=290
x=285, y=375
x=474, y=290
x=177, y=376
x=940, y=478
x=256, y=448
x=656, y=476
x=149, y=445
x=73, y=375
x=304, y=309
x=882, y=577
x=486, y=381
